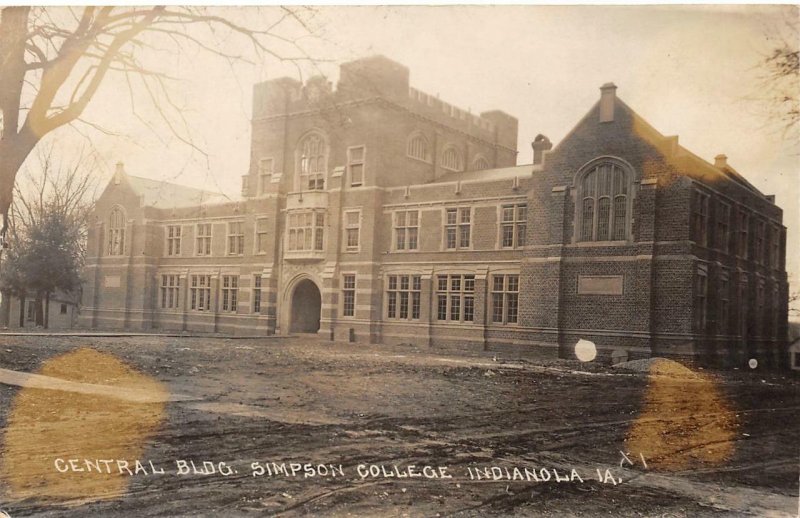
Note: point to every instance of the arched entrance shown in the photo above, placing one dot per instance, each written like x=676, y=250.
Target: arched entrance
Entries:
x=306, y=307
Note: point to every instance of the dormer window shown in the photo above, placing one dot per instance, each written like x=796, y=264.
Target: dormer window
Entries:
x=312, y=163
x=603, y=202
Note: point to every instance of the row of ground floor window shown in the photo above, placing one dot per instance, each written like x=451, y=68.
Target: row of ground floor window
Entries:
x=454, y=295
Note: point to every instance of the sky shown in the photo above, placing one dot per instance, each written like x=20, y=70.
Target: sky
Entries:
x=691, y=71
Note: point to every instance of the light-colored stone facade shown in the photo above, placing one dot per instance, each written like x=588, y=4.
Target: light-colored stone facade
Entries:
x=391, y=216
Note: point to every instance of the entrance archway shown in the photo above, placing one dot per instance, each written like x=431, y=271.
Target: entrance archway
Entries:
x=306, y=307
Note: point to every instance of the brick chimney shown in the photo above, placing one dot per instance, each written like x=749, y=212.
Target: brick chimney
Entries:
x=540, y=144
x=608, y=94
x=118, y=172
x=721, y=161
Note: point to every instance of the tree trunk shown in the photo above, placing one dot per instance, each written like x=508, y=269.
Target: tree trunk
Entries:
x=46, y=309
x=39, y=310
x=22, y=311
x=5, y=309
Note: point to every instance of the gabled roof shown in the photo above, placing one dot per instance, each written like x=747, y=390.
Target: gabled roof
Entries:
x=682, y=158
x=166, y=195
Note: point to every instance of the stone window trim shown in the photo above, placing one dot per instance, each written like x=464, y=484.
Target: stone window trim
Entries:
x=265, y=171
x=203, y=239
x=260, y=231
x=405, y=230
x=356, y=163
x=173, y=237
x=235, y=238
x=700, y=298
x=504, y=289
x=403, y=292
x=418, y=147
x=512, y=217
x=351, y=231
x=311, y=161
x=455, y=298
x=169, y=292
x=462, y=227
x=349, y=294
x=480, y=162
x=629, y=183
x=700, y=217
x=305, y=230
x=452, y=158
x=257, y=295
x=117, y=226
x=229, y=290
x=200, y=293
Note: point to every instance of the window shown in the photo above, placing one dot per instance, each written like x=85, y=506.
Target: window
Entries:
x=418, y=148
x=352, y=229
x=355, y=165
x=760, y=296
x=451, y=159
x=245, y=185
x=776, y=310
x=349, y=295
x=406, y=229
x=505, y=299
x=63, y=309
x=262, y=236
x=457, y=228
x=265, y=170
x=306, y=231
x=513, y=225
x=174, y=240
x=723, y=226
x=256, y=293
x=403, y=297
x=169, y=291
x=775, y=247
x=312, y=163
x=700, y=218
x=741, y=242
x=700, y=300
x=741, y=297
x=203, y=239
x=116, y=232
x=200, y=293
x=235, y=238
x=759, y=244
x=603, y=203
x=723, y=318
x=455, y=296
x=230, y=293
x=480, y=163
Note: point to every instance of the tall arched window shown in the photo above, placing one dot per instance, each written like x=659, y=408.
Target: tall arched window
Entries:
x=116, y=232
x=418, y=147
x=603, y=203
x=451, y=159
x=480, y=163
x=312, y=162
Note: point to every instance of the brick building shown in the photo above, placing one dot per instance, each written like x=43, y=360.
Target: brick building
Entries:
x=375, y=212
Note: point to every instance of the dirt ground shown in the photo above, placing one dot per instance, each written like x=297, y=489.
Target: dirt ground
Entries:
x=298, y=403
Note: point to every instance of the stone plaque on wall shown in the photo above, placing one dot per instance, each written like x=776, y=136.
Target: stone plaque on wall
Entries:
x=600, y=284
x=111, y=281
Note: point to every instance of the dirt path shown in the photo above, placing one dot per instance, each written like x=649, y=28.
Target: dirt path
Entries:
x=246, y=403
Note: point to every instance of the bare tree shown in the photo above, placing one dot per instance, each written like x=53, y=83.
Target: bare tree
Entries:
x=779, y=86
x=48, y=227
x=54, y=60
